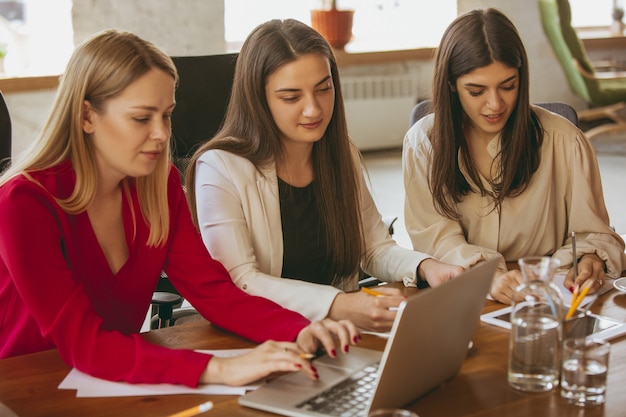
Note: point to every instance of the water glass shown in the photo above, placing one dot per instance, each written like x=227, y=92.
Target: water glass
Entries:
x=392, y=412
x=584, y=371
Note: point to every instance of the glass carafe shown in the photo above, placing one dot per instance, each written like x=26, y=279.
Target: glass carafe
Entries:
x=536, y=327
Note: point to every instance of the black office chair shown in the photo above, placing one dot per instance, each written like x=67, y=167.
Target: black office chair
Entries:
x=201, y=96
x=424, y=107
x=5, y=134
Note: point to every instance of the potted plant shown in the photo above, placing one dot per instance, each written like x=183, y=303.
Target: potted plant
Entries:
x=617, y=27
x=334, y=24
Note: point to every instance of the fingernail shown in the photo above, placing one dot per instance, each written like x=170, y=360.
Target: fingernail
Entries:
x=355, y=339
x=298, y=365
x=346, y=348
x=571, y=289
x=313, y=369
x=333, y=353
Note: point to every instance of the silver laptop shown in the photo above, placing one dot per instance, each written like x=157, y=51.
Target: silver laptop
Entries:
x=427, y=345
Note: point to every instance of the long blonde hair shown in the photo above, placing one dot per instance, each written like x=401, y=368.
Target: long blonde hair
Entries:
x=100, y=68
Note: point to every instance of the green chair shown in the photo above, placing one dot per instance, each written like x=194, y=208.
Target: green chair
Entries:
x=602, y=87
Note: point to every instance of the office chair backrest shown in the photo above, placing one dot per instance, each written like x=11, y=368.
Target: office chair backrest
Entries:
x=5, y=134
x=556, y=19
x=423, y=108
x=201, y=99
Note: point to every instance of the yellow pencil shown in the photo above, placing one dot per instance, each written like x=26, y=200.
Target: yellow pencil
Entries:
x=307, y=355
x=194, y=410
x=572, y=306
x=372, y=292
x=578, y=298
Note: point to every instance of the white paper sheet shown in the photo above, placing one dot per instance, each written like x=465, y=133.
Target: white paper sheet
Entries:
x=567, y=296
x=89, y=386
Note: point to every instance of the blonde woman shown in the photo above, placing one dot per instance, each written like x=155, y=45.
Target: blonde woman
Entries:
x=94, y=211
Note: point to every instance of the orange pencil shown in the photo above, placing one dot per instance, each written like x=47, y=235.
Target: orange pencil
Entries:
x=372, y=292
x=578, y=298
x=198, y=409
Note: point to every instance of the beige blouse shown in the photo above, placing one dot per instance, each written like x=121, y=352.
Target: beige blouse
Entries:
x=564, y=195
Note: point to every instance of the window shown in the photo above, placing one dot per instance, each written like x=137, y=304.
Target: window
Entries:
x=587, y=13
x=391, y=23
x=37, y=35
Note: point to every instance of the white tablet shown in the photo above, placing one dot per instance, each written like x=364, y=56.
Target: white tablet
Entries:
x=590, y=325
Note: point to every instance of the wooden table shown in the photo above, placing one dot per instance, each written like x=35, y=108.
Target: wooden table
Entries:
x=28, y=384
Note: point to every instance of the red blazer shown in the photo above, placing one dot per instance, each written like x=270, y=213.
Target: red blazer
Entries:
x=57, y=289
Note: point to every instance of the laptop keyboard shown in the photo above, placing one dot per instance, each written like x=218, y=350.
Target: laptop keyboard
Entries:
x=348, y=398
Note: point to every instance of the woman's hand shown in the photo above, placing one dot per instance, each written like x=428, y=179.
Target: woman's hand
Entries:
x=262, y=361
x=590, y=267
x=504, y=285
x=436, y=272
x=333, y=336
x=271, y=356
x=366, y=311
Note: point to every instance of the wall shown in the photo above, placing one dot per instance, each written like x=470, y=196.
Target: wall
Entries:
x=197, y=29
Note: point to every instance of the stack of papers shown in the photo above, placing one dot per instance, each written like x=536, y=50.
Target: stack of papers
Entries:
x=88, y=386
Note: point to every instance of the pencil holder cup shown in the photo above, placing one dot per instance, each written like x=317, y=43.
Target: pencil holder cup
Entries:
x=536, y=328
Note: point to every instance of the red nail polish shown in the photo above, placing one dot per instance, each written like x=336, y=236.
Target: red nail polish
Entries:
x=333, y=353
x=346, y=348
x=571, y=289
x=355, y=339
x=313, y=369
x=298, y=365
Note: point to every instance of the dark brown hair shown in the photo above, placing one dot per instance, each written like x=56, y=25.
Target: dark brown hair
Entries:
x=249, y=131
x=475, y=40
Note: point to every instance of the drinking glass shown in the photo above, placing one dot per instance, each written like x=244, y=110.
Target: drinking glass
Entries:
x=584, y=371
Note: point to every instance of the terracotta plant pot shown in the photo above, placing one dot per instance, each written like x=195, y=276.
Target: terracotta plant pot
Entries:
x=334, y=25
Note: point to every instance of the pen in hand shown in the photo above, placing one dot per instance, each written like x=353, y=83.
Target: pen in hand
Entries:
x=574, y=257
x=198, y=409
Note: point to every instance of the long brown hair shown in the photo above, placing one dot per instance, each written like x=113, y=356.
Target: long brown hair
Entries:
x=250, y=131
x=475, y=40
x=100, y=68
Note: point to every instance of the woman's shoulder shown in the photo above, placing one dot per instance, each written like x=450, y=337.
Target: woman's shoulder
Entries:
x=231, y=165
x=553, y=122
x=22, y=194
x=558, y=130
x=54, y=182
x=219, y=156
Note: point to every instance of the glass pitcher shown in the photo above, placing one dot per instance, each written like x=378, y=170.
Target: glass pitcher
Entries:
x=536, y=327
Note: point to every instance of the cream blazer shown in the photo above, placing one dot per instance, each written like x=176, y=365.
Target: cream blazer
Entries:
x=564, y=194
x=239, y=217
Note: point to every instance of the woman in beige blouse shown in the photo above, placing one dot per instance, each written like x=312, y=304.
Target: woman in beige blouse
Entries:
x=489, y=175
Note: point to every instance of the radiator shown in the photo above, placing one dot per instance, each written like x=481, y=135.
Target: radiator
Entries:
x=378, y=108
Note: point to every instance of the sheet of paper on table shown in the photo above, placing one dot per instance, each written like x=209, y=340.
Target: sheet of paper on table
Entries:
x=567, y=296
x=88, y=386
